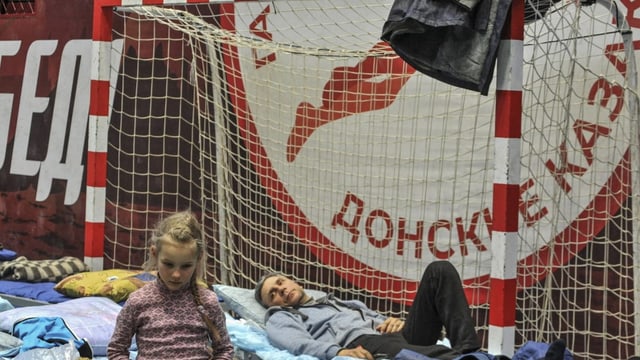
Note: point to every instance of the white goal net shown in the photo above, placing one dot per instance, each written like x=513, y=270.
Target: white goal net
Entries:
x=309, y=147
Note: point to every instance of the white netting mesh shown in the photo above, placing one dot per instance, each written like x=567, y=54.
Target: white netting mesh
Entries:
x=310, y=148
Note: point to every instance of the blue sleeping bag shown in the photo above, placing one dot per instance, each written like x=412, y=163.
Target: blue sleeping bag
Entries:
x=406, y=354
x=533, y=350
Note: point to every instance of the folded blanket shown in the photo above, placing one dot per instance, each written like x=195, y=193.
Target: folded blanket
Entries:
x=22, y=269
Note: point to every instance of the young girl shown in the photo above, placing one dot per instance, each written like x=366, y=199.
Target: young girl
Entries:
x=176, y=316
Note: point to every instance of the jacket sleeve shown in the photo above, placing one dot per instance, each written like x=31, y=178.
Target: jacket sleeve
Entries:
x=356, y=304
x=118, y=348
x=224, y=349
x=287, y=331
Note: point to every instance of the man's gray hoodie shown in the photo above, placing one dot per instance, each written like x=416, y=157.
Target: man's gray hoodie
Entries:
x=322, y=327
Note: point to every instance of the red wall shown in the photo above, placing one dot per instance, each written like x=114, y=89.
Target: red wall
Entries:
x=44, y=79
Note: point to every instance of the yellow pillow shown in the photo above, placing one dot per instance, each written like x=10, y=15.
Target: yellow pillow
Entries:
x=115, y=284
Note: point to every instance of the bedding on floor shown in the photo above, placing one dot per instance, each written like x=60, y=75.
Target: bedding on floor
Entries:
x=248, y=338
x=65, y=292
x=27, y=282
x=24, y=293
x=54, y=270
x=115, y=284
x=91, y=318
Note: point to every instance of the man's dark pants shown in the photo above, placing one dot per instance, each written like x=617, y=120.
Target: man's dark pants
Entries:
x=440, y=301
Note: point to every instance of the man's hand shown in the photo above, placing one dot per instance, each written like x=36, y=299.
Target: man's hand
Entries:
x=391, y=325
x=359, y=353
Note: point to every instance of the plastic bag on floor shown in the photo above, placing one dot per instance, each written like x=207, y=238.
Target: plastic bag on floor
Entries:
x=62, y=352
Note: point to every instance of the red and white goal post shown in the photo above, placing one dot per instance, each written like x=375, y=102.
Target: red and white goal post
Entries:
x=306, y=145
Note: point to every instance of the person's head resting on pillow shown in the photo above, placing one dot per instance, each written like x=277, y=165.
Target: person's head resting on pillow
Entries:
x=276, y=289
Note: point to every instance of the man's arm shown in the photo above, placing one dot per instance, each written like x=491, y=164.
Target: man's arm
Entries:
x=379, y=318
x=383, y=324
x=287, y=331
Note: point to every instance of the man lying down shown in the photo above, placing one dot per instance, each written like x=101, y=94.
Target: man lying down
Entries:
x=330, y=327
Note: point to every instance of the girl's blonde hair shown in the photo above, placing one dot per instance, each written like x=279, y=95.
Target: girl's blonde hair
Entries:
x=184, y=228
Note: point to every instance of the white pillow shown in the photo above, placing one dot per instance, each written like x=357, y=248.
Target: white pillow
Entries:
x=242, y=302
